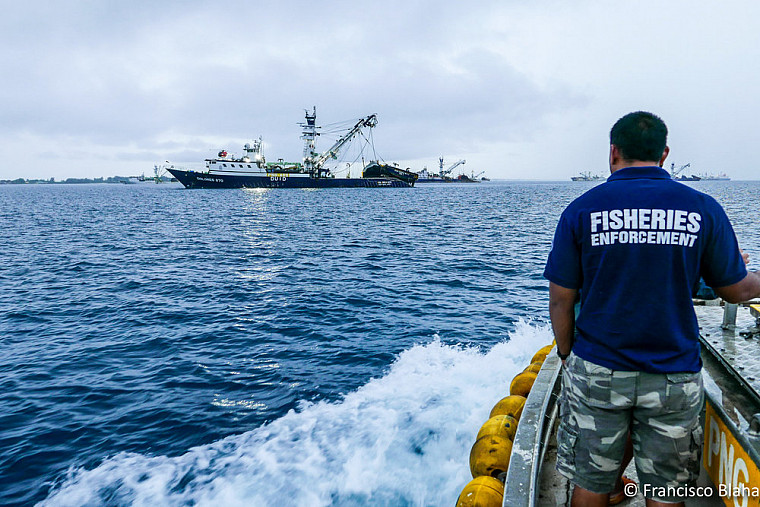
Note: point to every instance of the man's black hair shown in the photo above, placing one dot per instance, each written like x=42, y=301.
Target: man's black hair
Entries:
x=640, y=136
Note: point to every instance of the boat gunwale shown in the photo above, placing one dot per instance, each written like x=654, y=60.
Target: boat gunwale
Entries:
x=522, y=483
x=743, y=400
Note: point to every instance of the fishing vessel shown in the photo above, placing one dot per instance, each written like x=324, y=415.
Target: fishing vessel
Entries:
x=521, y=471
x=463, y=178
x=676, y=173
x=715, y=177
x=251, y=170
x=587, y=176
x=442, y=176
x=425, y=176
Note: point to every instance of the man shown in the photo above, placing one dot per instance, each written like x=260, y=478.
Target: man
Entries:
x=634, y=249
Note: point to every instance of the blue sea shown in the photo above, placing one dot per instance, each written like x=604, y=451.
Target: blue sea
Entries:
x=163, y=346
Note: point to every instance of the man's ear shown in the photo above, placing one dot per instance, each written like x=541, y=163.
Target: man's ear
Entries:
x=664, y=155
x=615, y=155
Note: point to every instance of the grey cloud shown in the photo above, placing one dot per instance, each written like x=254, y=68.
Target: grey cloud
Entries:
x=116, y=74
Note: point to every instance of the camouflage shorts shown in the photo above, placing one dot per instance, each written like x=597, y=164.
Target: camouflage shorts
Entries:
x=598, y=407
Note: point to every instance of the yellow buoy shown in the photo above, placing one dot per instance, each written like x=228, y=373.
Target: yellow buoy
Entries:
x=500, y=425
x=534, y=367
x=490, y=456
x=522, y=383
x=541, y=354
x=511, y=405
x=482, y=492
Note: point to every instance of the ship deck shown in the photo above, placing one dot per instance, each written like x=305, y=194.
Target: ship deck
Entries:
x=738, y=349
x=731, y=358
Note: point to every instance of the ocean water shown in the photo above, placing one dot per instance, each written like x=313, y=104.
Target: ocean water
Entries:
x=163, y=346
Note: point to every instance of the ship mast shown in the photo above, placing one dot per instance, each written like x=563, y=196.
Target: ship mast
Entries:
x=255, y=152
x=309, y=135
x=313, y=162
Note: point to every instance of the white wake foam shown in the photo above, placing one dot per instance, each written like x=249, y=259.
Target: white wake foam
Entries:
x=403, y=439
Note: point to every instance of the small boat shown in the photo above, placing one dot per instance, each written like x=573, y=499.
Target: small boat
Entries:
x=378, y=170
x=730, y=469
x=253, y=171
x=463, y=178
x=472, y=178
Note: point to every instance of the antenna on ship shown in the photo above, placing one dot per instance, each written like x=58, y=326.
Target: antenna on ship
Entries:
x=255, y=152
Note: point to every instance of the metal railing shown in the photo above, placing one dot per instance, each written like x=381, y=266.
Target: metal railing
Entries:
x=521, y=486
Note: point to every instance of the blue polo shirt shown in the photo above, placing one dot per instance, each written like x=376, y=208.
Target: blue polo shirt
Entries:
x=636, y=247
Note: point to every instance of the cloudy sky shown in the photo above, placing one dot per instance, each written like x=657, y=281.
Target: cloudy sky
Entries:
x=521, y=90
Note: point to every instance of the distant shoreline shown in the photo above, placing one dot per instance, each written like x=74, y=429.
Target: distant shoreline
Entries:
x=110, y=179
x=136, y=179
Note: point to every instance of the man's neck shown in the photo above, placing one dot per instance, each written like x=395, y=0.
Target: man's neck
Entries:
x=633, y=163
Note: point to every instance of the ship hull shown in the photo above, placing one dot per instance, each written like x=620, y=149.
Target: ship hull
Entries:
x=194, y=179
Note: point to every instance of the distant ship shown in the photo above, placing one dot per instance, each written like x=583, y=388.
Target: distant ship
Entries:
x=253, y=171
x=426, y=176
x=463, y=178
x=715, y=177
x=587, y=176
x=676, y=173
x=442, y=176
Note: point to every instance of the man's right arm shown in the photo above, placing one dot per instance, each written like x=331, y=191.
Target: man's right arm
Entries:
x=744, y=290
x=562, y=313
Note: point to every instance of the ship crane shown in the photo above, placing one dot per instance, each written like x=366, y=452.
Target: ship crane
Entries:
x=446, y=172
x=474, y=176
x=675, y=172
x=313, y=162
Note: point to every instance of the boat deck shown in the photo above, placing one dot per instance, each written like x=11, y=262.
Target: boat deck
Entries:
x=555, y=490
x=735, y=348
